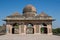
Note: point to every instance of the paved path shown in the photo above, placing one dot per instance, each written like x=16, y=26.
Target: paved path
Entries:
x=29, y=37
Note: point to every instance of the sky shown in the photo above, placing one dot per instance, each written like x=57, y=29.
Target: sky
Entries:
x=50, y=7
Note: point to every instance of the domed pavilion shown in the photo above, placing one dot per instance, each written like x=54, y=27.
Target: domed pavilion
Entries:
x=29, y=22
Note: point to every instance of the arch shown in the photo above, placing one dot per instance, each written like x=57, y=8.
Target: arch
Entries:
x=15, y=28
x=44, y=28
x=30, y=29
x=16, y=25
x=44, y=24
x=30, y=25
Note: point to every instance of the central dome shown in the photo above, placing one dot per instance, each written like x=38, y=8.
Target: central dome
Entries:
x=29, y=8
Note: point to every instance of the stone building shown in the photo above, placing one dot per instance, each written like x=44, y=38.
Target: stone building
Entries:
x=29, y=22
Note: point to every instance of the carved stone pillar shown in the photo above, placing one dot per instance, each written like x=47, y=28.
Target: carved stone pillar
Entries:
x=8, y=29
x=37, y=29
x=24, y=29
x=49, y=27
x=19, y=29
x=34, y=29
x=40, y=29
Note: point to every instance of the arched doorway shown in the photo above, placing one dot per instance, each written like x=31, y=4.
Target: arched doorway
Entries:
x=43, y=28
x=30, y=29
x=15, y=28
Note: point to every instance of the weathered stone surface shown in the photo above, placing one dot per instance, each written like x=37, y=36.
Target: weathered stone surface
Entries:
x=29, y=37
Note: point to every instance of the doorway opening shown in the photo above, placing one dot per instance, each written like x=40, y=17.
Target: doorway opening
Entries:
x=15, y=29
x=44, y=28
x=30, y=29
x=12, y=30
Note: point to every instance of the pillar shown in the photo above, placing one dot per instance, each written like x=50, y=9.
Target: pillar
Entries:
x=19, y=29
x=49, y=27
x=40, y=29
x=34, y=29
x=8, y=29
x=24, y=29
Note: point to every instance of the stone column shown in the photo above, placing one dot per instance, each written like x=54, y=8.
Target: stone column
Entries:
x=8, y=29
x=34, y=29
x=24, y=29
x=40, y=29
x=19, y=29
x=49, y=27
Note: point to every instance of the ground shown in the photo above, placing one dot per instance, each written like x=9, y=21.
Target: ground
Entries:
x=29, y=37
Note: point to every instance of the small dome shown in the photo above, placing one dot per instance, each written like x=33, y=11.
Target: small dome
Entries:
x=43, y=14
x=15, y=14
x=29, y=8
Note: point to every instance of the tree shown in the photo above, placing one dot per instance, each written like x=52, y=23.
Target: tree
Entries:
x=56, y=31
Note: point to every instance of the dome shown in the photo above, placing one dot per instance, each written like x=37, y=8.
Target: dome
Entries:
x=43, y=14
x=15, y=14
x=29, y=8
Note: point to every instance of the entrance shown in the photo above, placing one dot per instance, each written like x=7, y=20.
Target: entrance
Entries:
x=12, y=30
x=43, y=28
x=15, y=29
x=30, y=29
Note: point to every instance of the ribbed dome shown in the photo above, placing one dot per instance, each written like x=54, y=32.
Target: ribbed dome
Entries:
x=29, y=8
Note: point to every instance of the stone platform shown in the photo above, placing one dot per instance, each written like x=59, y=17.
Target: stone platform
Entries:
x=29, y=37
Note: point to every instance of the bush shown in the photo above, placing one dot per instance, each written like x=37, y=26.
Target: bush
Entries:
x=56, y=31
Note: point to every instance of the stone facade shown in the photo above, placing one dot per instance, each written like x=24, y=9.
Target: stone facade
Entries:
x=29, y=22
